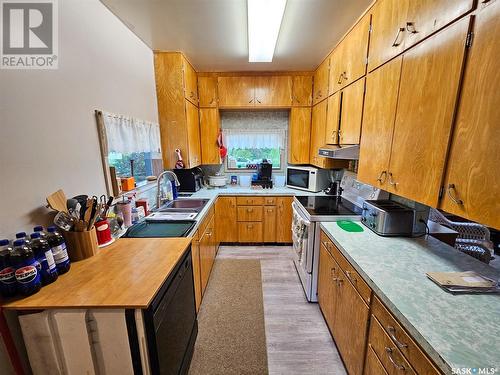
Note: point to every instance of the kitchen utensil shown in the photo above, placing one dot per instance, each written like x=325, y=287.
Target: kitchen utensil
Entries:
x=81, y=245
x=57, y=201
x=217, y=180
x=179, y=164
x=64, y=220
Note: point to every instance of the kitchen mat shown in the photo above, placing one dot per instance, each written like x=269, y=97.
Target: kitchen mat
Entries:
x=350, y=226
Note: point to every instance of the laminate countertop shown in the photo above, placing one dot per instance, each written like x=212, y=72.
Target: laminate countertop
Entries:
x=125, y=274
x=456, y=331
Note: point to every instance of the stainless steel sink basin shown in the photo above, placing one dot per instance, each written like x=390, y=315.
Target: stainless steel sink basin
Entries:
x=184, y=205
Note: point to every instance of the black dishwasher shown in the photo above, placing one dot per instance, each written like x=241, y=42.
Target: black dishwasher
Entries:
x=170, y=322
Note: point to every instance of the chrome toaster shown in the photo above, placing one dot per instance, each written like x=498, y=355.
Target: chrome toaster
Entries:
x=389, y=218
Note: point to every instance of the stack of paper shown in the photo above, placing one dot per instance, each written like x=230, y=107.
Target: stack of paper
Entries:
x=464, y=282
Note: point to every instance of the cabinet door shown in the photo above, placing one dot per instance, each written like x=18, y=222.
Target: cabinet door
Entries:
x=190, y=82
x=225, y=219
x=320, y=83
x=299, y=139
x=388, y=31
x=210, y=232
x=318, y=130
x=204, y=261
x=378, y=123
x=333, y=119
x=236, y=91
x=207, y=91
x=326, y=285
x=348, y=62
x=302, y=91
x=269, y=230
x=472, y=181
x=427, y=16
x=250, y=232
x=273, y=91
x=350, y=325
x=352, y=112
x=373, y=366
x=209, y=130
x=193, y=135
x=337, y=69
x=195, y=253
x=284, y=224
x=430, y=79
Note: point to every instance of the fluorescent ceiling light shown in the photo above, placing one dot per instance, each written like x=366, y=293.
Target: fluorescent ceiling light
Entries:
x=264, y=22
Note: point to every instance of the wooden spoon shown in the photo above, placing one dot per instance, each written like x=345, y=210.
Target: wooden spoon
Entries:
x=57, y=201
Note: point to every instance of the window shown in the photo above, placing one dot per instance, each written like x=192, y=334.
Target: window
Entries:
x=246, y=148
x=130, y=145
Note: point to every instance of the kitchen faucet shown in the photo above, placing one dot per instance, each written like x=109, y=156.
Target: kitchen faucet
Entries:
x=159, y=198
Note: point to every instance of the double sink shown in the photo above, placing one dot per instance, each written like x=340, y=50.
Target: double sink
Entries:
x=174, y=219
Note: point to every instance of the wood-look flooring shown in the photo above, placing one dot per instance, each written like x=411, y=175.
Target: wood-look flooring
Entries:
x=297, y=338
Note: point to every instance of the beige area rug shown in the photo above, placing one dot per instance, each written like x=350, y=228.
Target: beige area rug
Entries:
x=231, y=337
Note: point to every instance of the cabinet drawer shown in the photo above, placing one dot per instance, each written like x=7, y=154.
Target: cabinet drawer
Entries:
x=270, y=201
x=250, y=232
x=373, y=366
x=249, y=201
x=402, y=340
x=249, y=213
x=361, y=286
x=391, y=357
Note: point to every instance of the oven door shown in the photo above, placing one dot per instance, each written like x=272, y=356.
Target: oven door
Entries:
x=298, y=178
x=303, y=239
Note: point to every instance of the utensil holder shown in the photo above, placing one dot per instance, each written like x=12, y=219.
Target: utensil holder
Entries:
x=81, y=245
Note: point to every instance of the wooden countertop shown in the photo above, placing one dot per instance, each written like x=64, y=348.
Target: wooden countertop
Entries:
x=125, y=274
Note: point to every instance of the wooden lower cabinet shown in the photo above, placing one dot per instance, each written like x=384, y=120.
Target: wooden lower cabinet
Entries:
x=195, y=254
x=269, y=224
x=373, y=366
x=284, y=224
x=225, y=219
x=208, y=250
x=250, y=231
x=328, y=269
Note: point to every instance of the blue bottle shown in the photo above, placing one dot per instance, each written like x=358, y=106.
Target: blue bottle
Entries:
x=22, y=236
x=39, y=229
x=7, y=272
x=43, y=254
x=27, y=276
x=58, y=246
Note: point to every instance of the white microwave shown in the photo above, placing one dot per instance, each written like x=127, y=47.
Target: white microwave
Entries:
x=307, y=178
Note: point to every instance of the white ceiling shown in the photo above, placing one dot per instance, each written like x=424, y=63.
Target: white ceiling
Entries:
x=213, y=33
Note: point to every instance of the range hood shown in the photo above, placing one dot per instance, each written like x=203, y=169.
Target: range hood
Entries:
x=340, y=152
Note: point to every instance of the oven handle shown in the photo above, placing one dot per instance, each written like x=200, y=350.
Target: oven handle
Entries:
x=297, y=211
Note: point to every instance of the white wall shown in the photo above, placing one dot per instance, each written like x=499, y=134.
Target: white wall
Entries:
x=48, y=137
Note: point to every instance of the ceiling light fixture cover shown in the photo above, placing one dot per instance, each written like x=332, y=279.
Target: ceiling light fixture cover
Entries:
x=264, y=22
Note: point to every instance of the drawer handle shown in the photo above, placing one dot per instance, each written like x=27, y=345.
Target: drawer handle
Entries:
x=249, y=226
x=349, y=275
x=396, y=42
x=270, y=210
x=392, y=333
x=393, y=361
x=249, y=209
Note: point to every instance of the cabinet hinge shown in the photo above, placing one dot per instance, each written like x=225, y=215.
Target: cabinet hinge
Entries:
x=468, y=39
x=366, y=61
x=441, y=192
x=370, y=28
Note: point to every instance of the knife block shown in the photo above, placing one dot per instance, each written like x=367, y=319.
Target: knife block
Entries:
x=81, y=245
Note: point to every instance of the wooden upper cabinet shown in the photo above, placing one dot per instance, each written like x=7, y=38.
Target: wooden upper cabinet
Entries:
x=351, y=113
x=299, y=138
x=333, y=119
x=318, y=129
x=388, y=31
x=472, y=182
x=238, y=91
x=273, y=91
x=428, y=16
x=207, y=90
x=302, y=91
x=209, y=131
x=225, y=219
x=348, y=60
x=193, y=135
x=320, y=84
x=430, y=79
x=190, y=82
x=378, y=123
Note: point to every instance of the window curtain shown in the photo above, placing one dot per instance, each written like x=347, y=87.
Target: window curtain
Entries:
x=246, y=139
x=127, y=134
